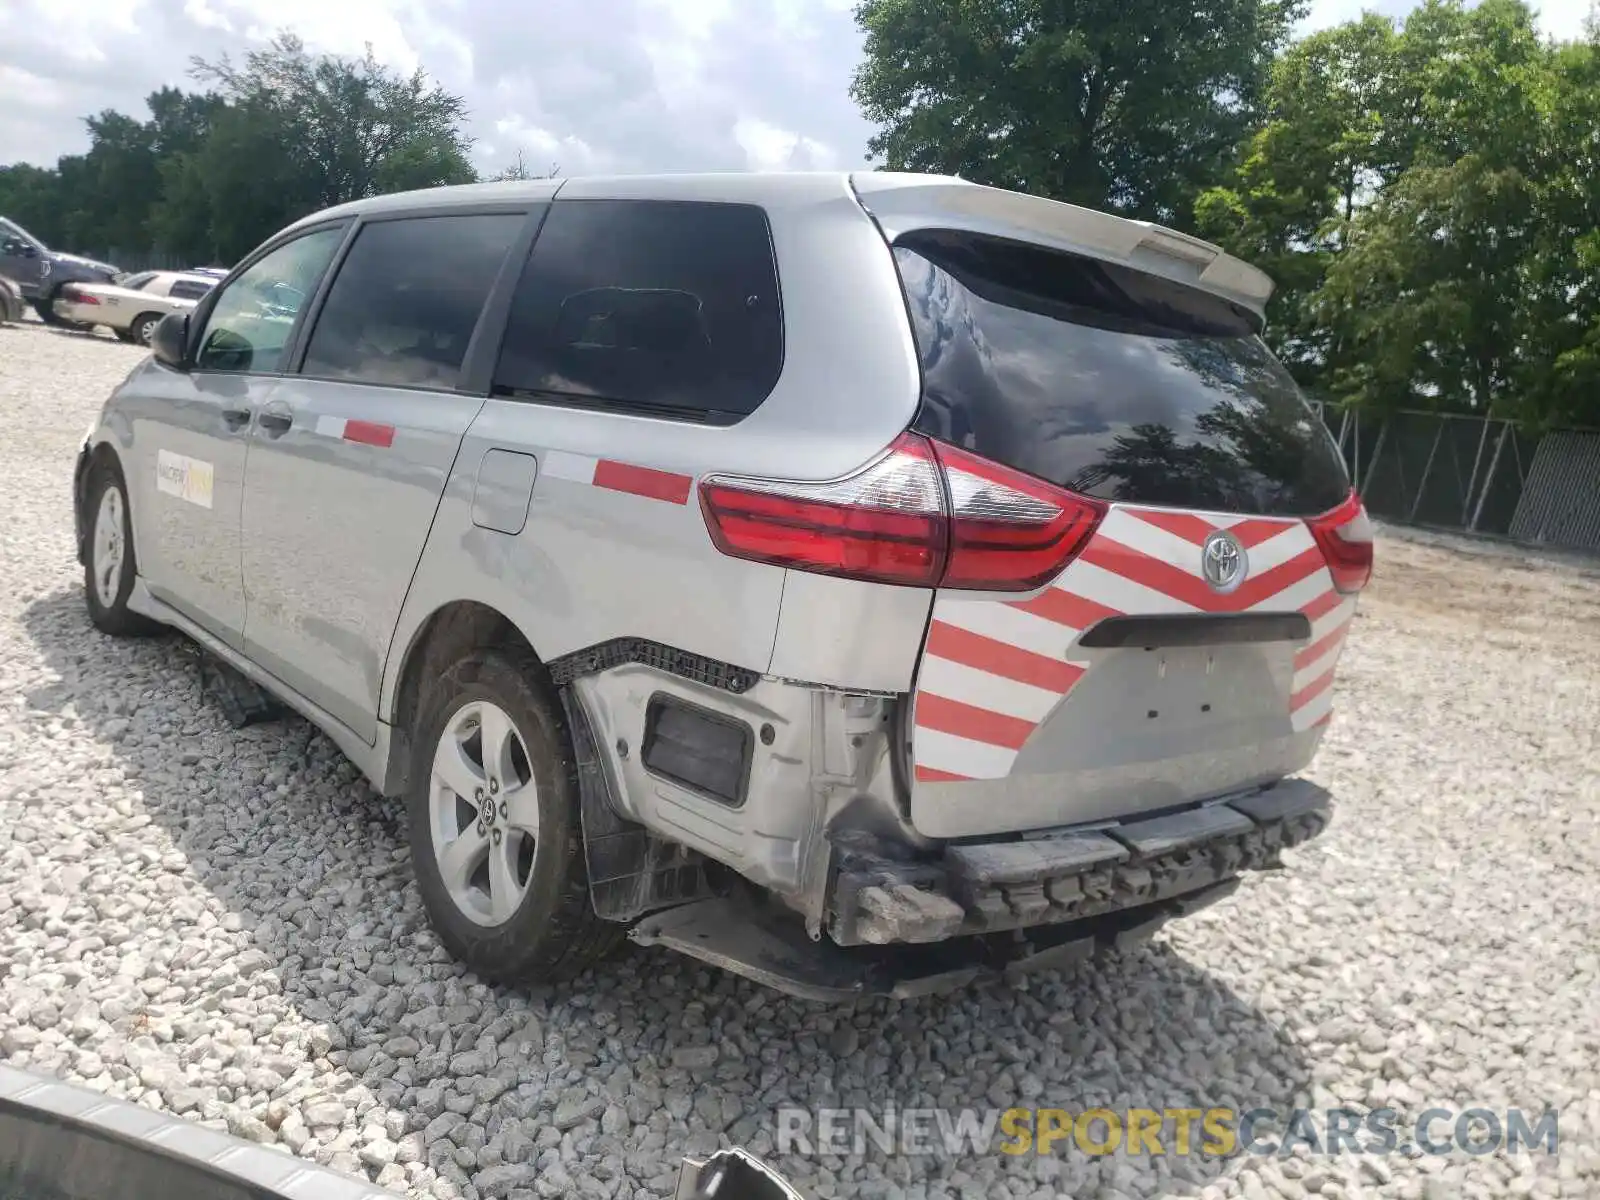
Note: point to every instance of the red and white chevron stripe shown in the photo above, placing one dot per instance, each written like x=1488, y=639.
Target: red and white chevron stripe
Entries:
x=993, y=670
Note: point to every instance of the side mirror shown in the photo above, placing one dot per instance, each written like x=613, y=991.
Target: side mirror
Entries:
x=170, y=342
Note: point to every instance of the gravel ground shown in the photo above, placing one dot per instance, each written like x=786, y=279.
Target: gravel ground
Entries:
x=223, y=924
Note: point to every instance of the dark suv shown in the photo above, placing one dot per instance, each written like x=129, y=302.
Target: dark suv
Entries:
x=40, y=271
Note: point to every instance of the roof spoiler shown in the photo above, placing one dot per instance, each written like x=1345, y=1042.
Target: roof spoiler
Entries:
x=905, y=202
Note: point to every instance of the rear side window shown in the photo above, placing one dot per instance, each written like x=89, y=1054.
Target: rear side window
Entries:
x=1109, y=381
x=658, y=307
x=402, y=309
x=189, y=289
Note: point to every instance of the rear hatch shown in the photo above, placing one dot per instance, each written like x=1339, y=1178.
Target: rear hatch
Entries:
x=1183, y=643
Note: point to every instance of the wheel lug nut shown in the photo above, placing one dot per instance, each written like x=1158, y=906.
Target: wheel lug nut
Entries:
x=494, y=786
x=497, y=836
x=502, y=810
x=480, y=829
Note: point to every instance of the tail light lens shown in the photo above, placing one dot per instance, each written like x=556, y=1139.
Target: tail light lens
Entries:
x=1345, y=538
x=885, y=522
x=78, y=296
x=1009, y=532
x=924, y=514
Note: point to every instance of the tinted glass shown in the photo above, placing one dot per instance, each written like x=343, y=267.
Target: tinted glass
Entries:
x=189, y=289
x=250, y=325
x=137, y=283
x=1109, y=381
x=407, y=298
x=652, y=306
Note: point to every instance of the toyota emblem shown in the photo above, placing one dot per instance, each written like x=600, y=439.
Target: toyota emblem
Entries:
x=1223, y=561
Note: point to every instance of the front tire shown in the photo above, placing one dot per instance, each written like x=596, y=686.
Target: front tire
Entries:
x=143, y=328
x=109, y=566
x=47, y=314
x=496, y=840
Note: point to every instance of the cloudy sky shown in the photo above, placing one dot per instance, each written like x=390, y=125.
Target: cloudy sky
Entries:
x=591, y=85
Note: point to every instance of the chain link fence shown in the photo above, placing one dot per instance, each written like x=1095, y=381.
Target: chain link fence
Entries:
x=1474, y=474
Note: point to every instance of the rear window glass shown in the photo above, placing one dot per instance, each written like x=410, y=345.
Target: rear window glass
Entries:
x=190, y=289
x=402, y=309
x=659, y=307
x=1109, y=381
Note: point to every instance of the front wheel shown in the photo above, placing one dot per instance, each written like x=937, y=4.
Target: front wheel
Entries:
x=47, y=314
x=109, y=567
x=144, y=328
x=496, y=841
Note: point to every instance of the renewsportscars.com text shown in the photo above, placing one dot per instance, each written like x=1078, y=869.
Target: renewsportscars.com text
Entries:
x=1213, y=1132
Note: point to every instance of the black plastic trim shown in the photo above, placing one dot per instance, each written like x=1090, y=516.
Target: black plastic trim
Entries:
x=1196, y=629
x=683, y=663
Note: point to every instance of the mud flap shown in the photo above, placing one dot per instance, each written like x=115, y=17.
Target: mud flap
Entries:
x=631, y=871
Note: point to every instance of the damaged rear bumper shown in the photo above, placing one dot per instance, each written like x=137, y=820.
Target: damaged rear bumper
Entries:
x=992, y=886
x=989, y=887
x=1000, y=908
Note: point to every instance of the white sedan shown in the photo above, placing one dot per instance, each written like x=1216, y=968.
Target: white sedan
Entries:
x=133, y=306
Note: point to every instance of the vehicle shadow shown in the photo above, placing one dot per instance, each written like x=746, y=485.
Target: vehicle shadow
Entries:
x=601, y=1086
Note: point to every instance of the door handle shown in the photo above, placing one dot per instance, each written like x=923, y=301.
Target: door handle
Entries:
x=236, y=418
x=275, y=422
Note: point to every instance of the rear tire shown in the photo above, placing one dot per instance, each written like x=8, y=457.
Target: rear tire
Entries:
x=143, y=328
x=109, y=566
x=499, y=856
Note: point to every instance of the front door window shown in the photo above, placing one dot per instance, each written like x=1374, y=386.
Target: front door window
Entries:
x=250, y=326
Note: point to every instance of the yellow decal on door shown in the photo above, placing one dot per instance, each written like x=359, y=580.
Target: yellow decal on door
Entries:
x=186, y=478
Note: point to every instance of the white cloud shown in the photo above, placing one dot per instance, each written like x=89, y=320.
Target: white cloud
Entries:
x=541, y=148
x=768, y=148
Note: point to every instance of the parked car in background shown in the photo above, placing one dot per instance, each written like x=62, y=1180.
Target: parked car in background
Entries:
x=793, y=570
x=132, y=307
x=41, y=272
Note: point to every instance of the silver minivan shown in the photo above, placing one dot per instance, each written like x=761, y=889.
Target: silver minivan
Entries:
x=860, y=582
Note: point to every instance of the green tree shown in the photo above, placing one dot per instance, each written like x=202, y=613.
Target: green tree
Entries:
x=353, y=127
x=1318, y=156
x=240, y=185
x=31, y=196
x=1131, y=105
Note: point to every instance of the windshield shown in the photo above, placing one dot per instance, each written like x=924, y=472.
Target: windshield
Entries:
x=10, y=229
x=1110, y=381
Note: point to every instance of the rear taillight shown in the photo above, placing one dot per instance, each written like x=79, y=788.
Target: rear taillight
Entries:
x=75, y=296
x=924, y=514
x=1345, y=537
x=1009, y=532
x=885, y=522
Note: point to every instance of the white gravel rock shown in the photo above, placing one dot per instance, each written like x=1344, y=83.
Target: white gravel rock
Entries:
x=223, y=924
